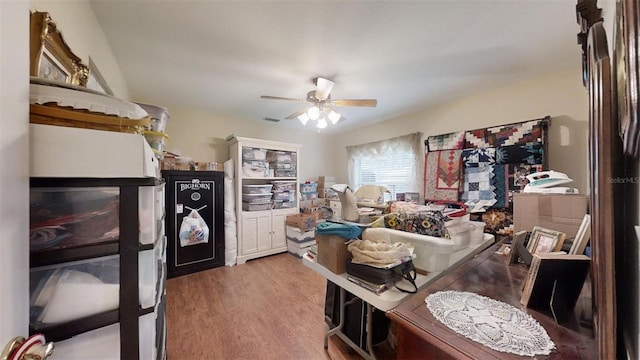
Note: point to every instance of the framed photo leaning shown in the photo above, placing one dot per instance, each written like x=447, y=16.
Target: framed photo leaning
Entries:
x=518, y=239
x=544, y=240
x=582, y=236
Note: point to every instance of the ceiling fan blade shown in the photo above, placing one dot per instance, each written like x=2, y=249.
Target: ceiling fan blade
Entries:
x=268, y=97
x=323, y=88
x=296, y=114
x=355, y=102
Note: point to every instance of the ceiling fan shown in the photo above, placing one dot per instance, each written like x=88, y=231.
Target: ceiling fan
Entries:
x=321, y=107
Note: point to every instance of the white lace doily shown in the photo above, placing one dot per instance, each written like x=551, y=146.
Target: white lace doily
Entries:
x=490, y=322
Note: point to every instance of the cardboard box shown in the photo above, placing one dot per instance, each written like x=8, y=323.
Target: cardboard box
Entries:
x=312, y=203
x=327, y=179
x=316, y=212
x=560, y=212
x=333, y=253
x=302, y=221
x=300, y=236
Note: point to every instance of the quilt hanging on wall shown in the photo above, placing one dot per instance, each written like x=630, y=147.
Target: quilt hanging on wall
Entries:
x=442, y=175
x=493, y=163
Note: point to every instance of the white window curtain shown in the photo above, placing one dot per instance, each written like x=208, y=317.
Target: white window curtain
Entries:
x=395, y=163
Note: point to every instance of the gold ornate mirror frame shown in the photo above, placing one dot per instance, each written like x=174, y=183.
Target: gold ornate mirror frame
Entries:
x=50, y=57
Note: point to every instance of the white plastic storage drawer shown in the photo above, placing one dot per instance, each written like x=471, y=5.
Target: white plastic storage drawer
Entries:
x=73, y=290
x=282, y=185
x=256, y=207
x=249, y=153
x=281, y=156
x=256, y=189
x=104, y=343
x=257, y=198
x=146, y=214
x=147, y=336
x=149, y=275
x=280, y=204
x=284, y=195
x=64, y=217
x=159, y=200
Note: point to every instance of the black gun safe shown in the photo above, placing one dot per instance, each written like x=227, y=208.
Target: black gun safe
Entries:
x=202, y=191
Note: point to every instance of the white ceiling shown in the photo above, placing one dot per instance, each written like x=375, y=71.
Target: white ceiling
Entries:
x=220, y=56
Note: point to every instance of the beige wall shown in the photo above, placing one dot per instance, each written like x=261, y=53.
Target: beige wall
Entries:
x=560, y=95
x=14, y=171
x=201, y=136
x=81, y=31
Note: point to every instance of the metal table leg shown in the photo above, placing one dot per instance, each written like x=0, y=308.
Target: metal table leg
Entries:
x=369, y=354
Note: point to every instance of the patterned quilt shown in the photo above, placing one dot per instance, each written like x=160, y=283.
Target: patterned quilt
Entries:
x=450, y=141
x=487, y=169
x=442, y=175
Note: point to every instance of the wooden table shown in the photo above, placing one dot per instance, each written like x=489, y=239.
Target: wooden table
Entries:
x=421, y=336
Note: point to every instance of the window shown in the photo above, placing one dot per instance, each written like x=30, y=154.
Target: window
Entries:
x=394, y=163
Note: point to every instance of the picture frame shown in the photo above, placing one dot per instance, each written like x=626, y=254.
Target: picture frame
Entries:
x=518, y=239
x=582, y=236
x=96, y=81
x=49, y=56
x=626, y=77
x=544, y=240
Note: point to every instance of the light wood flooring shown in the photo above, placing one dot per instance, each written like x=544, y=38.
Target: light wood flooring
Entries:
x=268, y=308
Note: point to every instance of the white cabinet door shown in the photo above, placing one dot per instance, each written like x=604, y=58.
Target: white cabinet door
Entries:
x=278, y=229
x=256, y=232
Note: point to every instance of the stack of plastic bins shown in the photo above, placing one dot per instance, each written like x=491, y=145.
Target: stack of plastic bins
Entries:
x=309, y=191
x=284, y=194
x=254, y=162
x=256, y=197
x=155, y=132
x=282, y=163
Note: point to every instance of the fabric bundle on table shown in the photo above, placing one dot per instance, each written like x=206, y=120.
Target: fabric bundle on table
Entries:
x=346, y=231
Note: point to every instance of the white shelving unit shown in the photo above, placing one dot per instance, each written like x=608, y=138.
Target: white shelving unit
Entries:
x=262, y=232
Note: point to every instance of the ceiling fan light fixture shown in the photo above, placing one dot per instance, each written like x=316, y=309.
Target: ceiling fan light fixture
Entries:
x=303, y=118
x=333, y=117
x=313, y=113
x=322, y=123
